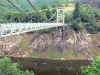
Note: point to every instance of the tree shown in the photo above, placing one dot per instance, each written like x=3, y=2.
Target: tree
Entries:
x=93, y=69
x=48, y=13
x=68, y=18
x=67, y=1
x=76, y=13
x=43, y=17
x=44, y=7
x=97, y=14
x=9, y=68
x=76, y=21
x=76, y=25
x=89, y=15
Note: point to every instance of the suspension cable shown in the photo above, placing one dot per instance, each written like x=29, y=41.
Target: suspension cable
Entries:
x=19, y=9
x=39, y=13
x=15, y=6
x=52, y=17
x=33, y=7
x=53, y=14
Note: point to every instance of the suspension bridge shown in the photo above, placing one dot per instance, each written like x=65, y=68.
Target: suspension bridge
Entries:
x=17, y=28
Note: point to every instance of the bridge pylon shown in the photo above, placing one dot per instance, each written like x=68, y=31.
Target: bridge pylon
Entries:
x=60, y=15
x=61, y=19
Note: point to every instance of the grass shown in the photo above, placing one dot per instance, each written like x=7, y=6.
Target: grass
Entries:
x=44, y=31
x=25, y=43
x=70, y=7
x=34, y=54
x=57, y=55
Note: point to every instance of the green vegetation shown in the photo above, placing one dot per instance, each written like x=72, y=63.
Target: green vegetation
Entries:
x=56, y=55
x=84, y=15
x=9, y=68
x=68, y=18
x=34, y=54
x=6, y=7
x=90, y=16
x=76, y=21
x=76, y=13
x=76, y=25
x=29, y=16
x=93, y=69
x=44, y=31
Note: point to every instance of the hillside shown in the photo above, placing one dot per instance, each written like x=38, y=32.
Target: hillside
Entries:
x=93, y=3
x=5, y=6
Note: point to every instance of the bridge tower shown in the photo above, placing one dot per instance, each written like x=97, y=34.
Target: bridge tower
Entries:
x=61, y=19
x=60, y=15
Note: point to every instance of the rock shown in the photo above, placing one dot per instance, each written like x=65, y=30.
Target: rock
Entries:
x=9, y=45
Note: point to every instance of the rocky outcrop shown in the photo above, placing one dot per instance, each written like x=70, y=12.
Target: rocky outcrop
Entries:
x=71, y=44
x=9, y=46
x=78, y=42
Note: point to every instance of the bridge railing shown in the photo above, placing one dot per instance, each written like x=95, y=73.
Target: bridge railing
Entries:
x=16, y=28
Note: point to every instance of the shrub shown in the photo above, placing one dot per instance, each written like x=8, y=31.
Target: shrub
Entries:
x=76, y=21
x=48, y=13
x=43, y=17
x=76, y=25
x=76, y=13
x=43, y=31
x=89, y=16
x=3, y=21
x=9, y=68
x=97, y=13
x=86, y=14
x=93, y=69
x=44, y=7
x=91, y=29
x=68, y=17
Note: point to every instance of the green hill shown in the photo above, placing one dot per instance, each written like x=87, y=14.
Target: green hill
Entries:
x=6, y=7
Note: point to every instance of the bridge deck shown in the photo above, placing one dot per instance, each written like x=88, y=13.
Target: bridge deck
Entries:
x=17, y=28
